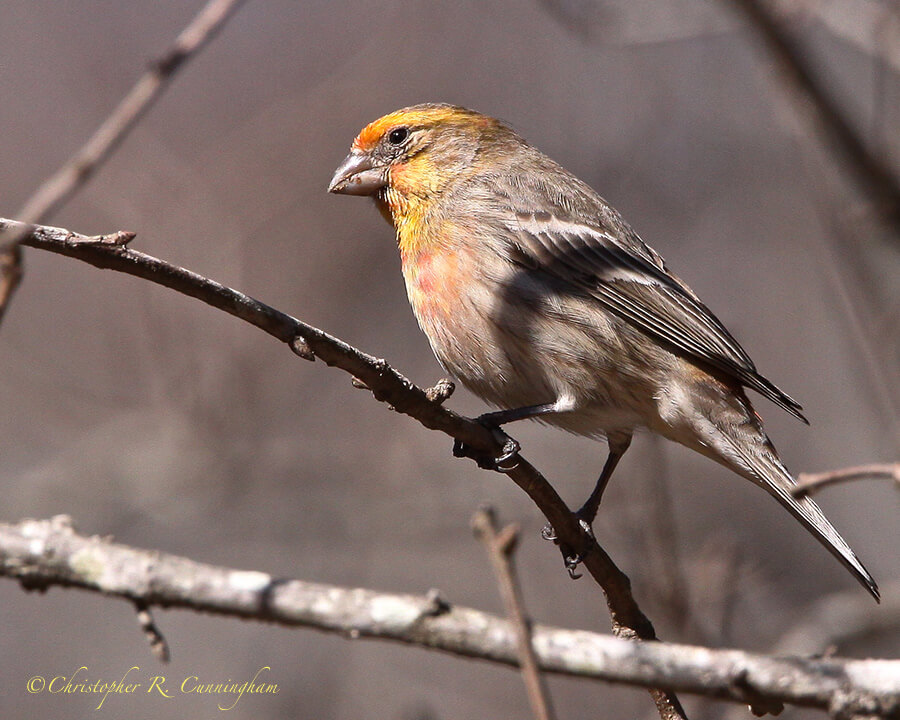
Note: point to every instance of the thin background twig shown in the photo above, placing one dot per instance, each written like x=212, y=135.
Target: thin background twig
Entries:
x=500, y=546
x=809, y=483
x=878, y=180
x=58, y=188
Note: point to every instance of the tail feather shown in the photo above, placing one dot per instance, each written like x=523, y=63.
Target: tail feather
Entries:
x=769, y=472
x=715, y=418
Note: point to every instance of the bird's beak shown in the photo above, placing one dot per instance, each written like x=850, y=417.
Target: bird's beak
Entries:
x=358, y=175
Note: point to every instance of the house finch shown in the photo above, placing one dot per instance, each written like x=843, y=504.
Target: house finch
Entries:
x=542, y=300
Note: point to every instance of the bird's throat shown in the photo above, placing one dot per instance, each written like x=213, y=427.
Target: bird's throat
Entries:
x=407, y=213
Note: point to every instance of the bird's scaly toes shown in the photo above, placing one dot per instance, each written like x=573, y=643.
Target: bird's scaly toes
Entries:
x=571, y=558
x=503, y=462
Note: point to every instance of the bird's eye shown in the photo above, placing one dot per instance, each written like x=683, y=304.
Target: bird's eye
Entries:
x=398, y=136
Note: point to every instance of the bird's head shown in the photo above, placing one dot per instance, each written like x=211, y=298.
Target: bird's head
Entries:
x=412, y=153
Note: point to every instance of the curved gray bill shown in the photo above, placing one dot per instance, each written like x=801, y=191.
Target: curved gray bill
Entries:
x=357, y=175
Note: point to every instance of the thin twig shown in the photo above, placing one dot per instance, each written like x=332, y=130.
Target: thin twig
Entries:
x=387, y=385
x=157, y=640
x=872, y=27
x=500, y=545
x=57, y=189
x=45, y=553
x=856, y=286
x=11, y=272
x=874, y=175
x=809, y=483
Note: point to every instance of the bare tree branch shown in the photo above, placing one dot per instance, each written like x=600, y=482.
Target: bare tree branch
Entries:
x=44, y=553
x=873, y=26
x=58, y=188
x=828, y=137
x=808, y=483
x=386, y=384
x=11, y=272
x=78, y=169
x=500, y=545
x=874, y=175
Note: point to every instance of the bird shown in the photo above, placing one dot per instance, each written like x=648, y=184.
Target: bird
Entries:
x=541, y=299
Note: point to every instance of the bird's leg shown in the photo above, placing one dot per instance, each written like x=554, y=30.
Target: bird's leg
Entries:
x=501, y=417
x=587, y=512
x=493, y=421
x=618, y=444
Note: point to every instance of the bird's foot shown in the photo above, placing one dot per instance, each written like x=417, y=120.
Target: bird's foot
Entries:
x=503, y=462
x=572, y=558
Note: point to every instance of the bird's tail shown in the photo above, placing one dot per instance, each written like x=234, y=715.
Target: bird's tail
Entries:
x=758, y=461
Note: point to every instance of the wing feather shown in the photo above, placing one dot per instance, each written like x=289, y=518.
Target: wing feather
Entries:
x=632, y=281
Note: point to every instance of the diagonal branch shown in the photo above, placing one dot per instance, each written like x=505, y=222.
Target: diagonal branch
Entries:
x=44, y=553
x=823, y=113
x=871, y=26
x=76, y=171
x=58, y=188
x=386, y=384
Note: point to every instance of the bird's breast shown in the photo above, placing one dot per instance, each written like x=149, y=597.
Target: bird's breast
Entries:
x=433, y=283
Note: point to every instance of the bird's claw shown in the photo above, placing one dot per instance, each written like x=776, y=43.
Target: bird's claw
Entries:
x=571, y=558
x=504, y=462
x=572, y=564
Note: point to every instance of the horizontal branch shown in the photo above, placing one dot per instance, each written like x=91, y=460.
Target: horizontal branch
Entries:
x=44, y=553
x=808, y=483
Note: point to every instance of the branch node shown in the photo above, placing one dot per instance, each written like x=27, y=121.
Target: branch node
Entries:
x=435, y=604
x=851, y=704
x=508, y=539
x=484, y=521
x=301, y=347
x=62, y=523
x=758, y=703
x=440, y=391
x=168, y=63
x=118, y=239
x=34, y=582
x=359, y=384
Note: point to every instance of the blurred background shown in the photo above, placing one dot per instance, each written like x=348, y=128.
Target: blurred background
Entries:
x=153, y=418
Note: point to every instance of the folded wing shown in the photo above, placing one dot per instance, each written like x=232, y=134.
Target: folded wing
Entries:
x=630, y=280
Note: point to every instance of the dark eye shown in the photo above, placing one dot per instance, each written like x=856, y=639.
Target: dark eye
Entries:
x=398, y=136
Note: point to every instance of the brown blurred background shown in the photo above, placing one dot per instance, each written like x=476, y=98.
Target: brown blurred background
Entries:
x=151, y=417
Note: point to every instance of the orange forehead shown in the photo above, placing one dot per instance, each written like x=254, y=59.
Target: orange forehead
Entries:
x=417, y=116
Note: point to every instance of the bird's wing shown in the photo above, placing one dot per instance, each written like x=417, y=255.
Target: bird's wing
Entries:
x=630, y=280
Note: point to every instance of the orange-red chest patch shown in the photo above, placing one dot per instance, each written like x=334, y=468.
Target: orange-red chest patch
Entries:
x=433, y=283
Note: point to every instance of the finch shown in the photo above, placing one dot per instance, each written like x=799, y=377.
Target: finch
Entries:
x=538, y=297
